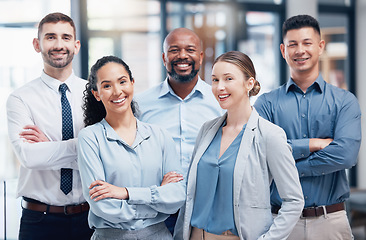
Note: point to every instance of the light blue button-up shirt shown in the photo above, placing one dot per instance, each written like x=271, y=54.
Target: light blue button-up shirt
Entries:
x=324, y=111
x=182, y=118
x=103, y=155
x=213, y=209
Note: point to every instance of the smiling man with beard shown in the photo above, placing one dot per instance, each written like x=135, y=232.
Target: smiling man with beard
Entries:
x=183, y=102
x=44, y=119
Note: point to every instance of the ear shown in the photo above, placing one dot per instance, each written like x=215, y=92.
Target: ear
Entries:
x=321, y=47
x=250, y=83
x=36, y=45
x=96, y=95
x=201, y=57
x=77, y=47
x=163, y=57
x=282, y=48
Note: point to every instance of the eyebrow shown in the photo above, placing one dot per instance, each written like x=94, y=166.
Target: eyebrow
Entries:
x=64, y=35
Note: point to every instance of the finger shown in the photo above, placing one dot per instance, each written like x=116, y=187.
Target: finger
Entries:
x=96, y=183
x=31, y=138
x=32, y=127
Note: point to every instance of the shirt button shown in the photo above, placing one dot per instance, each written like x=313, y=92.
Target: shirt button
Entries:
x=302, y=174
x=306, y=197
x=304, y=96
x=304, y=135
x=302, y=155
x=303, y=115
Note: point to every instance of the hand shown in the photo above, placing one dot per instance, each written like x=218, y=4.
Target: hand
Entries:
x=100, y=190
x=316, y=144
x=33, y=134
x=171, y=177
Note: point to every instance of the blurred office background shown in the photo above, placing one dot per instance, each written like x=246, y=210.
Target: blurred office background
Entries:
x=134, y=30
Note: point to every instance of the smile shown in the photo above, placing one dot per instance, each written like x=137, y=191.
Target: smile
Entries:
x=119, y=100
x=300, y=59
x=224, y=96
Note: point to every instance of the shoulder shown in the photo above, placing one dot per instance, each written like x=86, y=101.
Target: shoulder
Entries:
x=91, y=132
x=269, y=130
x=30, y=86
x=151, y=93
x=340, y=94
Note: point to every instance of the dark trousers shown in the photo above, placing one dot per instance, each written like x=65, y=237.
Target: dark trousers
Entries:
x=170, y=222
x=56, y=226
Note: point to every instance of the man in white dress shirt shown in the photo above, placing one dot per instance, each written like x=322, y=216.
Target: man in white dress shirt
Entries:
x=44, y=119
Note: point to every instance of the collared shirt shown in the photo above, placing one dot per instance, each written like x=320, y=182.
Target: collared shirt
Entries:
x=213, y=209
x=103, y=155
x=324, y=111
x=182, y=118
x=39, y=103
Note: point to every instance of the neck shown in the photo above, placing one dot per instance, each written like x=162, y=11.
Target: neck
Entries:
x=123, y=121
x=61, y=74
x=239, y=116
x=304, y=79
x=182, y=89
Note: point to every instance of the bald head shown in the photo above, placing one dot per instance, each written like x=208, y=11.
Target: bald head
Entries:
x=179, y=33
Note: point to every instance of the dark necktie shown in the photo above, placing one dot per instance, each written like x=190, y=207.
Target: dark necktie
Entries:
x=67, y=133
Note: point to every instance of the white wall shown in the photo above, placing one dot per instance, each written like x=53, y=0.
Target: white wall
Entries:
x=361, y=85
x=296, y=7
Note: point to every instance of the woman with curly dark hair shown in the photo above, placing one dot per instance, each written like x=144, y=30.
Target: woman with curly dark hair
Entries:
x=129, y=169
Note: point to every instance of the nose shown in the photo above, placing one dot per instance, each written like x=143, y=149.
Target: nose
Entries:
x=117, y=90
x=300, y=49
x=58, y=44
x=182, y=54
x=221, y=85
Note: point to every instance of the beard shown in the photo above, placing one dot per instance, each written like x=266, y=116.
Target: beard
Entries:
x=59, y=62
x=183, y=78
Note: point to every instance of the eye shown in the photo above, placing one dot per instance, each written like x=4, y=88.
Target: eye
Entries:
x=173, y=50
x=106, y=86
x=123, y=82
x=215, y=80
x=191, y=50
x=229, y=78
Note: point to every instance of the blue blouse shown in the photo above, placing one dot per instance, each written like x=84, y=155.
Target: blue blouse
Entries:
x=213, y=209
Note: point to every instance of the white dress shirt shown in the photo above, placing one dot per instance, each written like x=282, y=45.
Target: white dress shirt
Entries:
x=39, y=103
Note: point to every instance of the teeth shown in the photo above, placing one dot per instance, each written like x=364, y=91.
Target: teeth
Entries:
x=301, y=59
x=223, y=96
x=182, y=65
x=119, y=100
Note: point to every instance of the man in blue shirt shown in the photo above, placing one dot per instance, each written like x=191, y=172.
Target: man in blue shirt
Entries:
x=183, y=102
x=323, y=126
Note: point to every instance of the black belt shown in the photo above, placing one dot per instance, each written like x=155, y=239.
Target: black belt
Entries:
x=42, y=207
x=315, y=211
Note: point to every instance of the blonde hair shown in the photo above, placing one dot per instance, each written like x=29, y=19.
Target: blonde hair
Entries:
x=245, y=64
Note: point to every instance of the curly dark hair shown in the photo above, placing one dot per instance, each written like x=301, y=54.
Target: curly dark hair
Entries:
x=94, y=111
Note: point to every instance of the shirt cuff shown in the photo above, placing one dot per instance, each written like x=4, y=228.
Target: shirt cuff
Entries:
x=139, y=195
x=304, y=169
x=300, y=148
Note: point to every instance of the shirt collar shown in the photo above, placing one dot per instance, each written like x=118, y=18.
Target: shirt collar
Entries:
x=54, y=84
x=141, y=134
x=318, y=84
x=166, y=88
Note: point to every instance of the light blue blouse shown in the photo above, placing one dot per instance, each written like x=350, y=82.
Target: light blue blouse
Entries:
x=213, y=209
x=103, y=155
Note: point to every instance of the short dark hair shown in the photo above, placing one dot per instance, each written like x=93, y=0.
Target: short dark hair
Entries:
x=55, y=18
x=94, y=111
x=300, y=21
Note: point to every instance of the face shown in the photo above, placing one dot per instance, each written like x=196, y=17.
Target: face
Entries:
x=182, y=56
x=229, y=85
x=57, y=44
x=302, y=48
x=115, y=88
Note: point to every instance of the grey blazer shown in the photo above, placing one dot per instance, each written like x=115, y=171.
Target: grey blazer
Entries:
x=263, y=156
